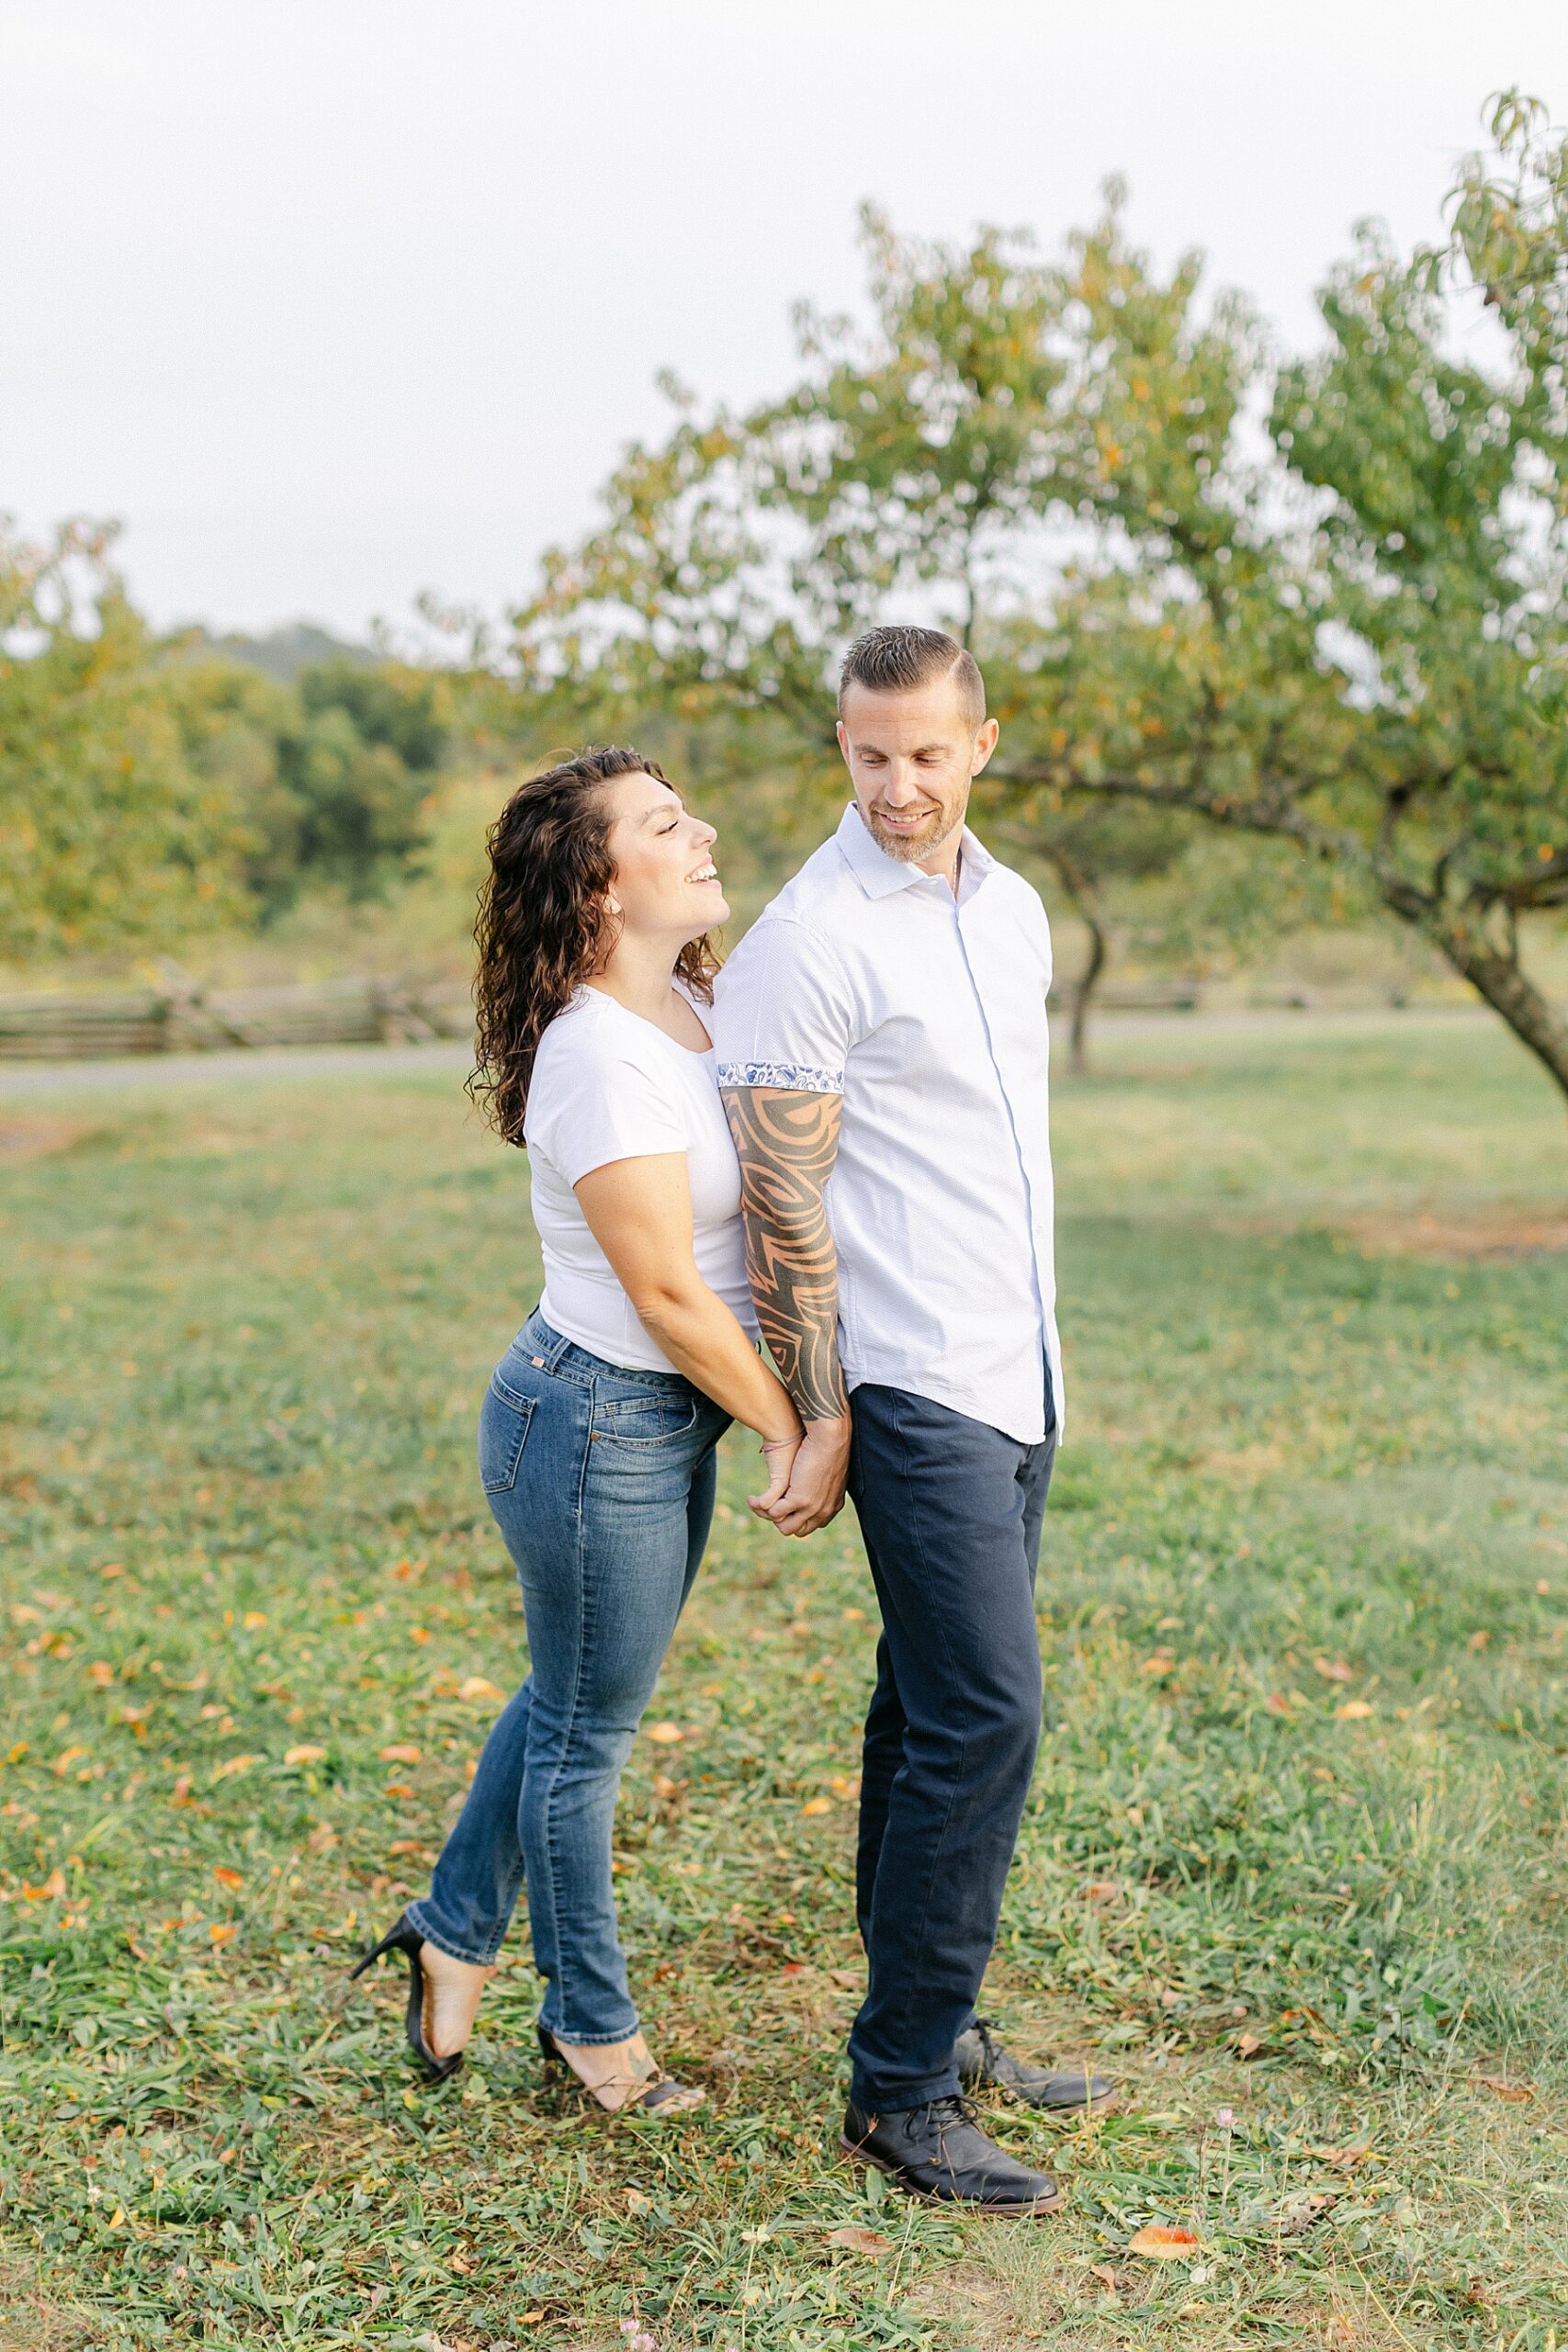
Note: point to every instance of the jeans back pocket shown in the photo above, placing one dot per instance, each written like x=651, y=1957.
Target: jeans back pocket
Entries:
x=503, y=1430
x=645, y=1417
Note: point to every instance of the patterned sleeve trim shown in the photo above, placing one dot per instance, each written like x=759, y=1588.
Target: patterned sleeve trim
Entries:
x=799, y=1078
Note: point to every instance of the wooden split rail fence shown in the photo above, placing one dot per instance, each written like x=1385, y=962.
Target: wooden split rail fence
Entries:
x=183, y=1017
x=189, y=1019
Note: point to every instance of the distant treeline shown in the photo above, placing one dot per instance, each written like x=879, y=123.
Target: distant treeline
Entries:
x=1269, y=636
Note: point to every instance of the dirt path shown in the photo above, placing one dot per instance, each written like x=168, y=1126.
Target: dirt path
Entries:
x=19, y=1078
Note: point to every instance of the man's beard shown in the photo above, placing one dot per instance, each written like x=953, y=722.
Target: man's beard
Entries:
x=909, y=849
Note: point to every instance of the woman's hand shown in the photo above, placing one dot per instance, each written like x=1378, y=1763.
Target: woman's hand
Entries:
x=817, y=1479
x=778, y=1456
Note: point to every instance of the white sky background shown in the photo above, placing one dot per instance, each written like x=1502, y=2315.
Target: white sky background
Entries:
x=334, y=300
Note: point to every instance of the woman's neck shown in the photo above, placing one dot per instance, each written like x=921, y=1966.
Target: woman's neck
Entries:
x=640, y=975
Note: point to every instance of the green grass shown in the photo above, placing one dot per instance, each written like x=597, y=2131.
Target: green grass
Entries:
x=247, y=1330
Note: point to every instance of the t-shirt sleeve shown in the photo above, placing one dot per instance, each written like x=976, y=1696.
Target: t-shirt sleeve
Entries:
x=783, y=1012
x=602, y=1107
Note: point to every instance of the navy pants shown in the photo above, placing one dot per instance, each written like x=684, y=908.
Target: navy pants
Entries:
x=950, y=1511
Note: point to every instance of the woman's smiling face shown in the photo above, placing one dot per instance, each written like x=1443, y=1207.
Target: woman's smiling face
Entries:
x=666, y=883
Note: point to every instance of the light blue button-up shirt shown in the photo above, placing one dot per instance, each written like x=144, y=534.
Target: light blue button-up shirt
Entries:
x=867, y=978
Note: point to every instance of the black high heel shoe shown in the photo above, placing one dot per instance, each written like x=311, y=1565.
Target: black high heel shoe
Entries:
x=659, y=2094
x=405, y=1937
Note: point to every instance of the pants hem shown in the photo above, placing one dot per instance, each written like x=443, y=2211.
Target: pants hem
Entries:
x=590, y=2040
x=414, y=1914
x=944, y=2085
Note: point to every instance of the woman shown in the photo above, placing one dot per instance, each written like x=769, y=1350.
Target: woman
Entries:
x=597, y=1438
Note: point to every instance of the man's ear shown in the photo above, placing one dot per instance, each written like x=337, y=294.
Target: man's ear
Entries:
x=985, y=744
x=843, y=741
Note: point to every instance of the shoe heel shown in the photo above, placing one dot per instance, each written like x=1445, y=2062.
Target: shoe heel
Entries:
x=396, y=1939
x=548, y=2050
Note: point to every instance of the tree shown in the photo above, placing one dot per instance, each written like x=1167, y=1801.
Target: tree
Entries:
x=913, y=463
x=331, y=774
x=1357, y=648
x=1347, y=633
x=111, y=833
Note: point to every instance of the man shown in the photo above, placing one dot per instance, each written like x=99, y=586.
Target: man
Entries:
x=882, y=1046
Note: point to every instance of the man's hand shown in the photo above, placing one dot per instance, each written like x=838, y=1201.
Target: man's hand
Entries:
x=816, y=1489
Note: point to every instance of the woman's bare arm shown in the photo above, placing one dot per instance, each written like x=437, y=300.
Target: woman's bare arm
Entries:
x=639, y=1212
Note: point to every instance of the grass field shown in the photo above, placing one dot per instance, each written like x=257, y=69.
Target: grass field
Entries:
x=1295, y=1862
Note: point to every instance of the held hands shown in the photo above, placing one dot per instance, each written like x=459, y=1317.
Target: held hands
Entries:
x=805, y=1479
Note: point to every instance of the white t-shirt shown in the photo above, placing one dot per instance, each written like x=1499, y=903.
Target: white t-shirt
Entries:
x=607, y=1085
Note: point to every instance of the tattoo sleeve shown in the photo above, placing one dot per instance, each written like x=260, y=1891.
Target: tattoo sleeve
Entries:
x=786, y=1142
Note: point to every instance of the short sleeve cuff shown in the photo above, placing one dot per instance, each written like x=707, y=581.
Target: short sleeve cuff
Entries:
x=796, y=1078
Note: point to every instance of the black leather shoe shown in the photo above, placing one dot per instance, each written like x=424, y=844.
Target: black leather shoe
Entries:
x=938, y=2152
x=984, y=2064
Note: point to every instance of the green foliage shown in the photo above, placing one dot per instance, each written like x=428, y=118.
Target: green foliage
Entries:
x=1349, y=635
x=331, y=774
x=151, y=789
x=247, y=1329
x=110, y=832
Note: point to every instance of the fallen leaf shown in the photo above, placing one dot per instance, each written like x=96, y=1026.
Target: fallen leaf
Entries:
x=306, y=1753
x=52, y=1889
x=1101, y=1890
x=1277, y=1703
x=1341, y=2159
x=860, y=2241
x=1106, y=2275
x=478, y=1686
x=1162, y=1662
x=1247, y=2045
x=253, y=1620
x=663, y=1786
x=226, y=1878
x=1301, y=2212
x=1162, y=2245
x=1497, y=2084
x=817, y=1805
x=67, y=1756
x=222, y=1930
x=101, y=1672
x=1479, y=1639
x=233, y=1764
x=406, y=1846
x=419, y=1634
x=401, y=1752
x=665, y=1735
x=1333, y=1669
x=1353, y=1711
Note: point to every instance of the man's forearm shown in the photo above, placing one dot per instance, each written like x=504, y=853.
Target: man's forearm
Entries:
x=786, y=1142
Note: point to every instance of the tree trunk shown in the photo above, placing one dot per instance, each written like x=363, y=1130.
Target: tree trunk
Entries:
x=1498, y=980
x=1080, y=888
x=1085, y=989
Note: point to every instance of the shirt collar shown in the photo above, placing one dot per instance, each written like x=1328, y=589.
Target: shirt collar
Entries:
x=879, y=875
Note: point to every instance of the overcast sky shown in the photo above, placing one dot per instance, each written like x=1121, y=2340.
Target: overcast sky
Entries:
x=334, y=300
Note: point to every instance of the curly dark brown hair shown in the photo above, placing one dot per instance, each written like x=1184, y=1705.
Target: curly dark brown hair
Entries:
x=544, y=924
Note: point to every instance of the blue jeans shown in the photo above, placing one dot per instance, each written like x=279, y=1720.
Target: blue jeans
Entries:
x=602, y=1483
x=950, y=1511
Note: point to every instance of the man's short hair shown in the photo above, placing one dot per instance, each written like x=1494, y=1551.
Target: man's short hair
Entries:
x=896, y=660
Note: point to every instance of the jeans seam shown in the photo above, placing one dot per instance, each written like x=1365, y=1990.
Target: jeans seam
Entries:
x=571, y=1724
x=583, y=1644
x=952, y=1794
